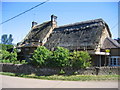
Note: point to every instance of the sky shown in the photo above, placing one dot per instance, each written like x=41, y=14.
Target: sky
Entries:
x=67, y=13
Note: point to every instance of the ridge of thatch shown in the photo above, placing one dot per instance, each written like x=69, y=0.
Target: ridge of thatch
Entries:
x=78, y=35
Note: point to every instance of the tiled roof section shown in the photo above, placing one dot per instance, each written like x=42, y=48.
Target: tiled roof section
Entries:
x=110, y=43
x=78, y=35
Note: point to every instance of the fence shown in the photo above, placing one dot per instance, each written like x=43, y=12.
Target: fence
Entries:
x=28, y=69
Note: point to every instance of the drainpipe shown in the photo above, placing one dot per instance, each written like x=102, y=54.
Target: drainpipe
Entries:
x=100, y=61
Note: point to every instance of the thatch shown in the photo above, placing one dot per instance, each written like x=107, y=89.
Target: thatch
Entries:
x=38, y=33
x=82, y=35
x=110, y=43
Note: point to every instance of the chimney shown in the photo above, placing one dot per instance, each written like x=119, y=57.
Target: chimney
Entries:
x=53, y=20
x=34, y=24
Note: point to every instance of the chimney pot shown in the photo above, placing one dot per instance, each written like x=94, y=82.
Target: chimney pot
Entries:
x=34, y=24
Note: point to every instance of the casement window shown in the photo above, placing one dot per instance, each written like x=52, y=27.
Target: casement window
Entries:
x=114, y=61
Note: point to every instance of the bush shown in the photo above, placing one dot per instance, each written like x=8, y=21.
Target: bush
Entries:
x=7, y=57
x=80, y=59
x=6, y=47
x=59, y=58
x=4, y=54
x=62, y=72
x=40, y=55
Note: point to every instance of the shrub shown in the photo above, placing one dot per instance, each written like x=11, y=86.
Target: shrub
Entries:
x=62, y=72
x=7, y=57
x=6, y=47
x=80, y=59
x=4, y=54
x=59, y=58
x=40, y=56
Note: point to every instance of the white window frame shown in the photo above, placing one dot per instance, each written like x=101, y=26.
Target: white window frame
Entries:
x=113, y=59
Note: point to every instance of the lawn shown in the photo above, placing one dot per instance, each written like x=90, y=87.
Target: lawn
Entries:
x=65, y=77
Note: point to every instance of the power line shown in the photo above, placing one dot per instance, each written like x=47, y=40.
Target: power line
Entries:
x=24, y=12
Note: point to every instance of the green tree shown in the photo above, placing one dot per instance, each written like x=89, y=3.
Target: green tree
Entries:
x=6, y=40
x=40, y=56
x=80, y=59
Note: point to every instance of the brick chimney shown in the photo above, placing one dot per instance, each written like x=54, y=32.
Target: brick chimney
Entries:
x=34, y=24
x=53, y=20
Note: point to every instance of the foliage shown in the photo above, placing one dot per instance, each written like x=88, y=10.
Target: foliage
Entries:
x=80, y=59
x=10, y=57
x=62, y=72
x=59, y=58
x=6, y=47
x=40, y=55
x=6, y=40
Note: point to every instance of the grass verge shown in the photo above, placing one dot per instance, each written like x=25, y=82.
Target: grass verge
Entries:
x=66, y=78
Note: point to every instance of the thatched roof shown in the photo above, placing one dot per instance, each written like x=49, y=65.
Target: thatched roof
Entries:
x=78, y=35
x=110, y=43
x=37, y=34
x=81, y=35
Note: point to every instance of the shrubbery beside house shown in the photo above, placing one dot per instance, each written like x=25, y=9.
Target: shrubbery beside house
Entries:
x=61, y=57
x=7, y=56
x=42, y=57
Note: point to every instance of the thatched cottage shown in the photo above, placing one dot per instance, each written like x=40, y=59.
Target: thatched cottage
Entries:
x=93, y=36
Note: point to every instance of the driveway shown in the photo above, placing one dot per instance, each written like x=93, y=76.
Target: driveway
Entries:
x=17, y=82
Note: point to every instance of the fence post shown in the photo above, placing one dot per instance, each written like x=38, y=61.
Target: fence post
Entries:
x=97, y=70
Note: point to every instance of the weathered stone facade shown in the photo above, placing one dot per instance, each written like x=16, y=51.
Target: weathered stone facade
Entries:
x=27, y=69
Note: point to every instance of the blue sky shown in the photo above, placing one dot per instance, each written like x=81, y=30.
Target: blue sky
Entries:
x=67, y=13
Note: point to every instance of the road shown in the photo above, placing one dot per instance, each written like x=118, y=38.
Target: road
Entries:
x=17, y=82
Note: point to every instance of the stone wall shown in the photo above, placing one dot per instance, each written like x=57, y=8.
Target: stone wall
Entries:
x=27, y=69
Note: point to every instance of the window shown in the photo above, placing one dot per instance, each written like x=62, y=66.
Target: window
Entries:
x=119, y=61
x=114, y=61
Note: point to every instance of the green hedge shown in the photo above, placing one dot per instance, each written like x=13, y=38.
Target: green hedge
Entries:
x=60, y=58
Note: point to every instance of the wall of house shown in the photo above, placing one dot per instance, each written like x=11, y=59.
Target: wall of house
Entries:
x=104, y=35
x=115, y=51
x=26, y=53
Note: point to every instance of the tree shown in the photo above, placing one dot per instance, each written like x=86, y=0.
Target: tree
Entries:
x=6, y=40
x=10, y=39
x=118, y=40
x=80, y=59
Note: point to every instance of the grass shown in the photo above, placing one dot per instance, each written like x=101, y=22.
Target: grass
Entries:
x=66, y=78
